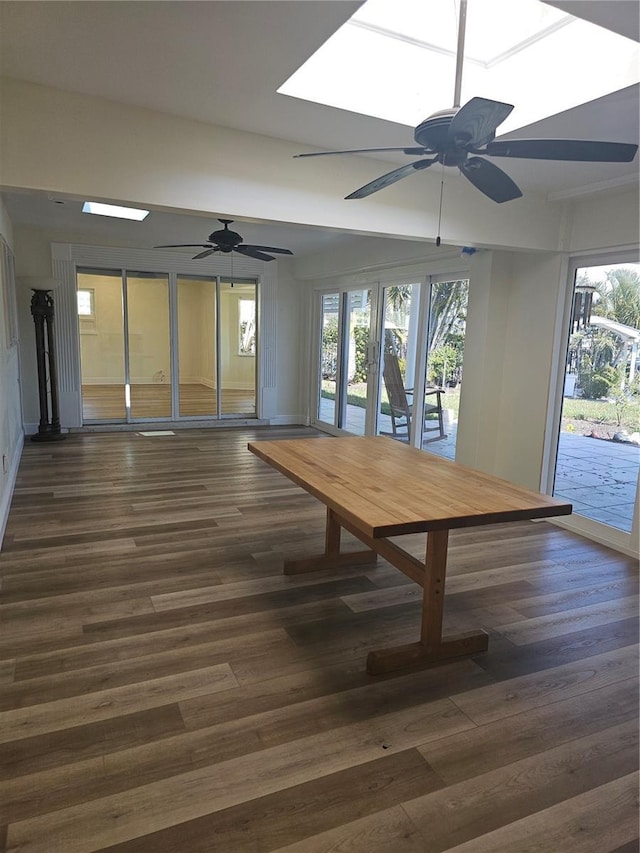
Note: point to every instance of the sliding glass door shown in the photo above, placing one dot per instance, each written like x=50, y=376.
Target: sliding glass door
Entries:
x=422, y=349
x=197, y=350
x=390, y=360
x=102, y=345
x=237, y=336
x=345, y=388
x=148, y=345
x=446, y=329
x=399, y=338
x=598, y=450
x=163, y=347
x=329, y=361
x=353, y=400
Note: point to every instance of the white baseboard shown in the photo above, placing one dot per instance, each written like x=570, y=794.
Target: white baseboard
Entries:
x=289, y=420
x=7, y=495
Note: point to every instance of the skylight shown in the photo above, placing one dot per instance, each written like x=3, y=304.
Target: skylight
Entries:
x=115, y=210
x=396, y=60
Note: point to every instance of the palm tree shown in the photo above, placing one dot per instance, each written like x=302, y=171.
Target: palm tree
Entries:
x=619, y=297
x=448, y=311
x=616, y=298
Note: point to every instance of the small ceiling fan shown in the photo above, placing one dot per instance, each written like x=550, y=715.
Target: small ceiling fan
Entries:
x=456, y=136
x=229, y=241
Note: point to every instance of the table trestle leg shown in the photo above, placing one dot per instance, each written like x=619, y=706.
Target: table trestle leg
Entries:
x=432, y=647
x=435, y=566
x=332, y=558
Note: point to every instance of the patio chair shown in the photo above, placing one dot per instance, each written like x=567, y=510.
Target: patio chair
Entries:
x=401, y=401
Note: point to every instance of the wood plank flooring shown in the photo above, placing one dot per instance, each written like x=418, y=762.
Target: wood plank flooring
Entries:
x=107, y=402
x=164, y=688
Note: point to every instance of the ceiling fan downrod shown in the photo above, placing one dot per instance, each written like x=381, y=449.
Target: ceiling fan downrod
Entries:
x=462, y=26
x=457, y=88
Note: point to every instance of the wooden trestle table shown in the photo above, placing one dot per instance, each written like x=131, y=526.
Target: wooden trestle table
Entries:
x=378, y=487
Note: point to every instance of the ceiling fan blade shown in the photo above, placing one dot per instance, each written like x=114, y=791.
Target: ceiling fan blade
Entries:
x=250, y=252
x=390, y=178
x=204, y=254
x=475, y=123
x=490, y=180
x=181, y=245
x=563, y=149
x=410, y=150
x=266, y=249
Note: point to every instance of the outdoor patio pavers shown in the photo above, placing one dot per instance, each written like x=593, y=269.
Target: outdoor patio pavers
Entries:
x=599, y=477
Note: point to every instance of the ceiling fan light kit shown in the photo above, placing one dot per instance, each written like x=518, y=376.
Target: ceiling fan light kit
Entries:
x=463, y=136
x=227, y=241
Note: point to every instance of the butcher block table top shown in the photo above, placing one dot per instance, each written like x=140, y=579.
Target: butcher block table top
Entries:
x=386, y=488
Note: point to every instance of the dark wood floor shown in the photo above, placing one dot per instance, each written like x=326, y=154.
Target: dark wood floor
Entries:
x=165, y=689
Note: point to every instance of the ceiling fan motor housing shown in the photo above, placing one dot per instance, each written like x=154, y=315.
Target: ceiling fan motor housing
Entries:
x=226, y=240
x=433, y=133
x=229, y=241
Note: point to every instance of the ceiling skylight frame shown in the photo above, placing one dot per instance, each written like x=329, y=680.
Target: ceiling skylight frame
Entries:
x=524, y=44
x=544, y=73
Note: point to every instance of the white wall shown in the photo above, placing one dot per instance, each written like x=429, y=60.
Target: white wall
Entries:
x=11, y=432
x=33, y=261
x=512, y=319
x=485, y=360
x=605, y=221
x=292, y=347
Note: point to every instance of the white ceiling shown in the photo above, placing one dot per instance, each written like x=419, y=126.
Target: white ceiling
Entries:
x=221, y=61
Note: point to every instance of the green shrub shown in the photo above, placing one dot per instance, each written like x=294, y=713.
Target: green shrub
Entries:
x=600, y=383
x=444, y=364
x=361, y=339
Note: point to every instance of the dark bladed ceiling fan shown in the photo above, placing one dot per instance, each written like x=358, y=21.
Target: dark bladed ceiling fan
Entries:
x=464, y=136
x=229, y=241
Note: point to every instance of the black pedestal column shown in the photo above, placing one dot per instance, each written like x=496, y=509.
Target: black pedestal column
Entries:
x=42, y=313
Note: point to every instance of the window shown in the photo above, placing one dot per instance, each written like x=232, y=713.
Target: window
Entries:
x=247, y=326
x=86, y=304
x=87, y=310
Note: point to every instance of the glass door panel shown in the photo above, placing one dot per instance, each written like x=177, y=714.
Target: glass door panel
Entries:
x=197, y=357
x=598, y=457
x=356, y=355
x=399, y=340
x=149, y=345
x=445, y=351
x=326, y=404
x=237, y=348
x=102, y=345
